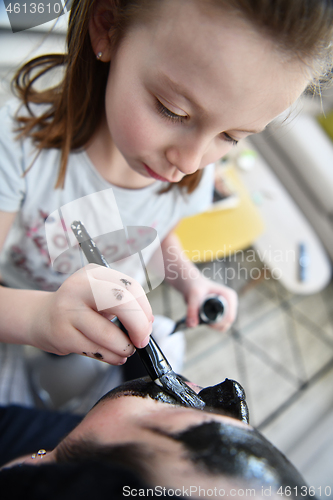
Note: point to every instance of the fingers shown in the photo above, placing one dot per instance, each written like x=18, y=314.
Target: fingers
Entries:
x=193, y=305
x=79, y=316
x=233, y=306
x=232, y=301
x=111, y=288
x=117, y=294
x=102, y=333
x=136, y=323
x=79, y=344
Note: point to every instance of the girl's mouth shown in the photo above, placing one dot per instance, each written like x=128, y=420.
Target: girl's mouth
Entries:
x=154, y=175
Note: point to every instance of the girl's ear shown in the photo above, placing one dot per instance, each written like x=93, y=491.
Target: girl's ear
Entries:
x=100, y=24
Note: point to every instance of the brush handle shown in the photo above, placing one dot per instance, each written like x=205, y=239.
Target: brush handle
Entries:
x=88, y=246
x=151, y=356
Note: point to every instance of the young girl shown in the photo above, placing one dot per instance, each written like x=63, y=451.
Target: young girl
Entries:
x=153, y=93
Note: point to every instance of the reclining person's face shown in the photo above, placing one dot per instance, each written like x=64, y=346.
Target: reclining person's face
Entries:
x=176, y=446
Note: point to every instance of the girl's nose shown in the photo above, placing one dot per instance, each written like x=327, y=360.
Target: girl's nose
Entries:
x=187, y=158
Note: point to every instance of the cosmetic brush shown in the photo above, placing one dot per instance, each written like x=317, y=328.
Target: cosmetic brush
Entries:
x=153, y=359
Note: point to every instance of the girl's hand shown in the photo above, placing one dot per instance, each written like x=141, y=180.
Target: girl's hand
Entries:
x=76, y=318
x=196, y=294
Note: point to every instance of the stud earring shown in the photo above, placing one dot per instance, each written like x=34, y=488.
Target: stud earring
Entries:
x=99, y=55
x=40, y=454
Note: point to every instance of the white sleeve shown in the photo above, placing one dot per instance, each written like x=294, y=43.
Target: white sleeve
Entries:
x=201, y=199
x=12, y=183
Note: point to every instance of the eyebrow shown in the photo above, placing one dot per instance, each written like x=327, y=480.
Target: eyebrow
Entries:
x=160, y=431
x=183, y=91
x=156, y=429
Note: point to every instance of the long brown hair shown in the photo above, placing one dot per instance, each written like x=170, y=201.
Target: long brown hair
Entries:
x=303, y=28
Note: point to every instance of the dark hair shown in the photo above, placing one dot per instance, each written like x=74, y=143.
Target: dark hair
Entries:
x=83, y=481
x=300, y=27
x=229, y=451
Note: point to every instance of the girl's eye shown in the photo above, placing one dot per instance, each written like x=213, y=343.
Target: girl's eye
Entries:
x=229, y=139
x=166, y=113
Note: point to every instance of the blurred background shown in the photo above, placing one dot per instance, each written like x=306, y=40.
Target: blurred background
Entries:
x=270, y=237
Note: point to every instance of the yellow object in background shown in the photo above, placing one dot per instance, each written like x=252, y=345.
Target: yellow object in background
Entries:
x=327, y=123
x=220, y=233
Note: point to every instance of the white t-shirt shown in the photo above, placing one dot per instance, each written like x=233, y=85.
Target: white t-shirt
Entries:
x=133, y=218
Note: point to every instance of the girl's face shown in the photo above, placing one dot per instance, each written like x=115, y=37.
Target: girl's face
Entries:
x=184, y=88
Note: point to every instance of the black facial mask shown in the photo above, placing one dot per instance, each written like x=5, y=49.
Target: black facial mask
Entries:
x=228, y=396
